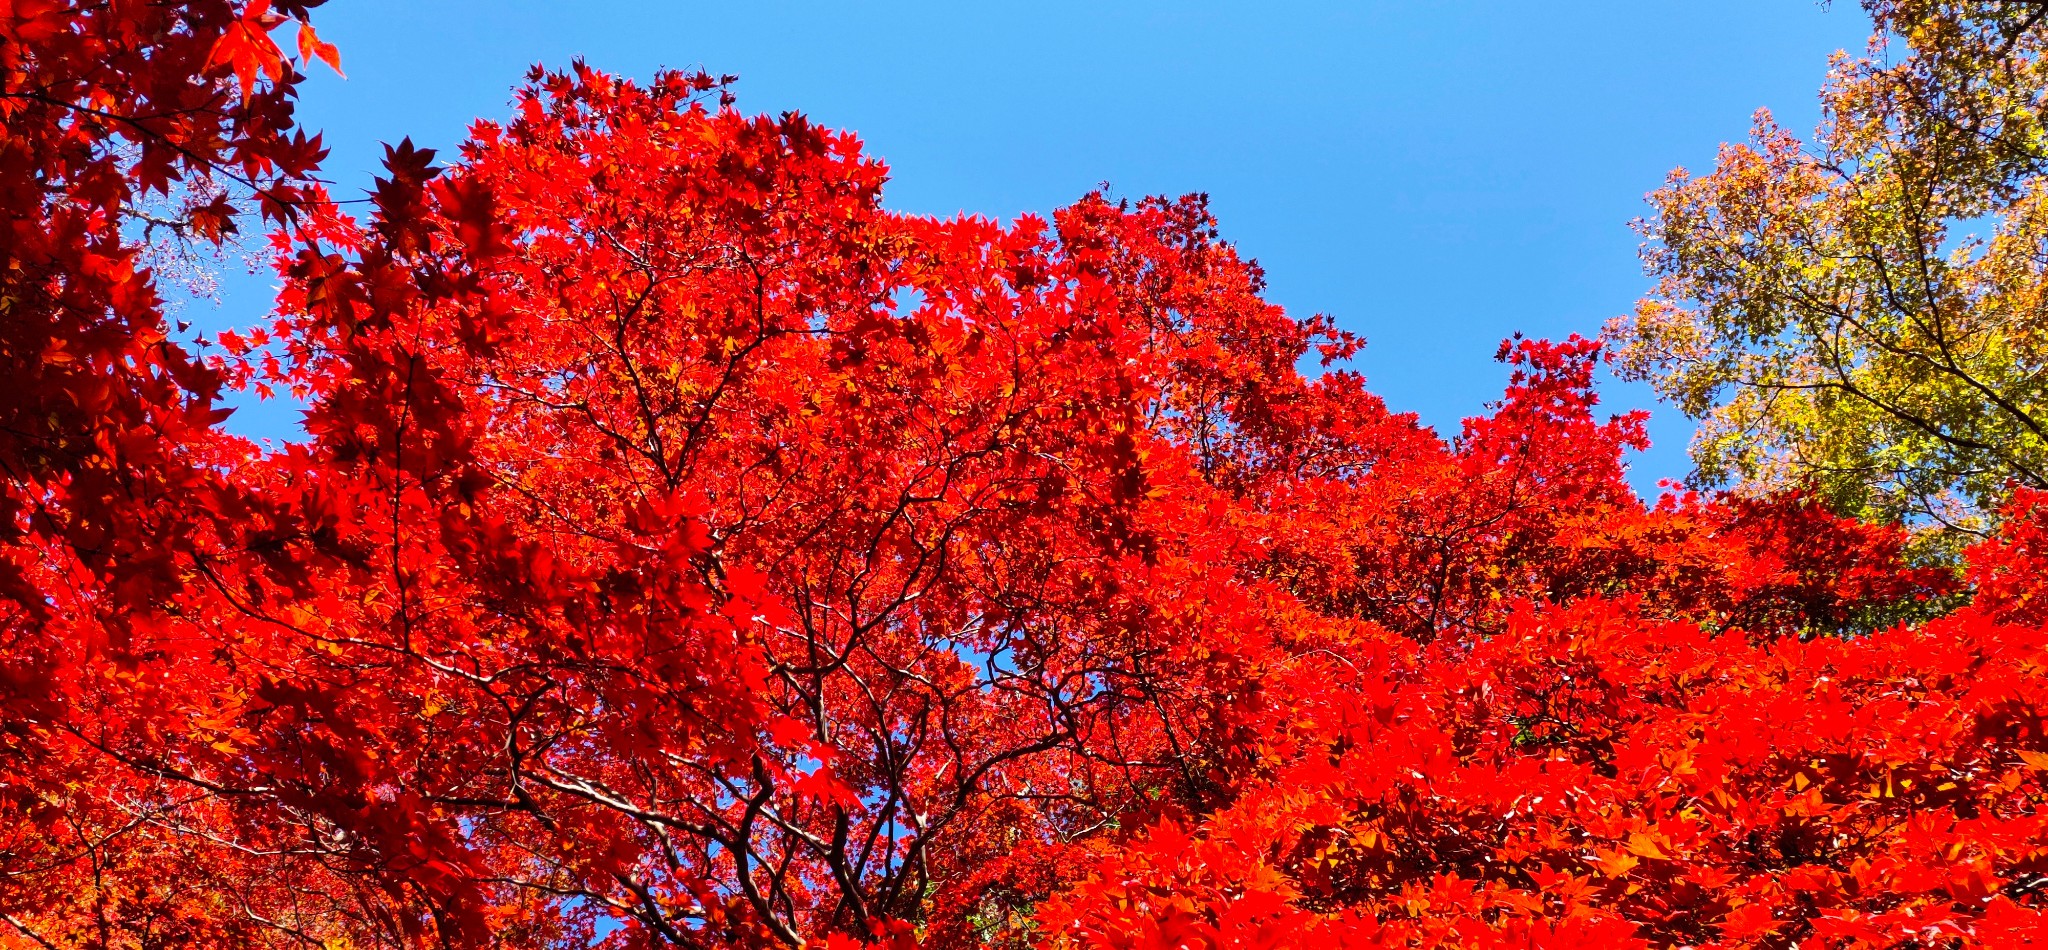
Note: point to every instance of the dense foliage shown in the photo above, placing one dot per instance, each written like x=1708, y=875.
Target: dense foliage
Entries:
x=686, y=551
x=1862, y=314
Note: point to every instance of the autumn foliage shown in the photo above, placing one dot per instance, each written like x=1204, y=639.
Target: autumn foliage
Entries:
x=684, y=550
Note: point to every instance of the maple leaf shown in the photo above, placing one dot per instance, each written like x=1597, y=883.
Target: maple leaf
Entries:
x=311, y=47
x=247, y=48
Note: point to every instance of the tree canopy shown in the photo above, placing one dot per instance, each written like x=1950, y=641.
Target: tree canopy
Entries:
x=1861, y=315
x=686, y=551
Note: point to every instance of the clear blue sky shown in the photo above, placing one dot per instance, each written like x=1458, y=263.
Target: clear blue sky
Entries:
x=1435, y=175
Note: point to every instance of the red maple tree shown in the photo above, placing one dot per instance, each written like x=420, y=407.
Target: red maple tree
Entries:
x=685, y=550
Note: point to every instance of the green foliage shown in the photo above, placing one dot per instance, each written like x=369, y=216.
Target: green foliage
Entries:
x=1862, y=315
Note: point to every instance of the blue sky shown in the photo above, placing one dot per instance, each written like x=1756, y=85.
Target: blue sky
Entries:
x=1435, y=175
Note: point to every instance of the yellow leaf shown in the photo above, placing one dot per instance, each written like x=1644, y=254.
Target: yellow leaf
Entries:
x=1642, y=844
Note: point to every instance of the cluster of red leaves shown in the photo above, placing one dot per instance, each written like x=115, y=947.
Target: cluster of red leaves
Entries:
x=1593, y=777
x=114, y=482
x=685, y=550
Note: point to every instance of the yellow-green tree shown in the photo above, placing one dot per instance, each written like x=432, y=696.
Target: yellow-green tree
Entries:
x=1862, y=315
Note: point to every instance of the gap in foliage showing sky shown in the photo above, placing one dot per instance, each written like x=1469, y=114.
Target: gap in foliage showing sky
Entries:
x=1436, y=176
